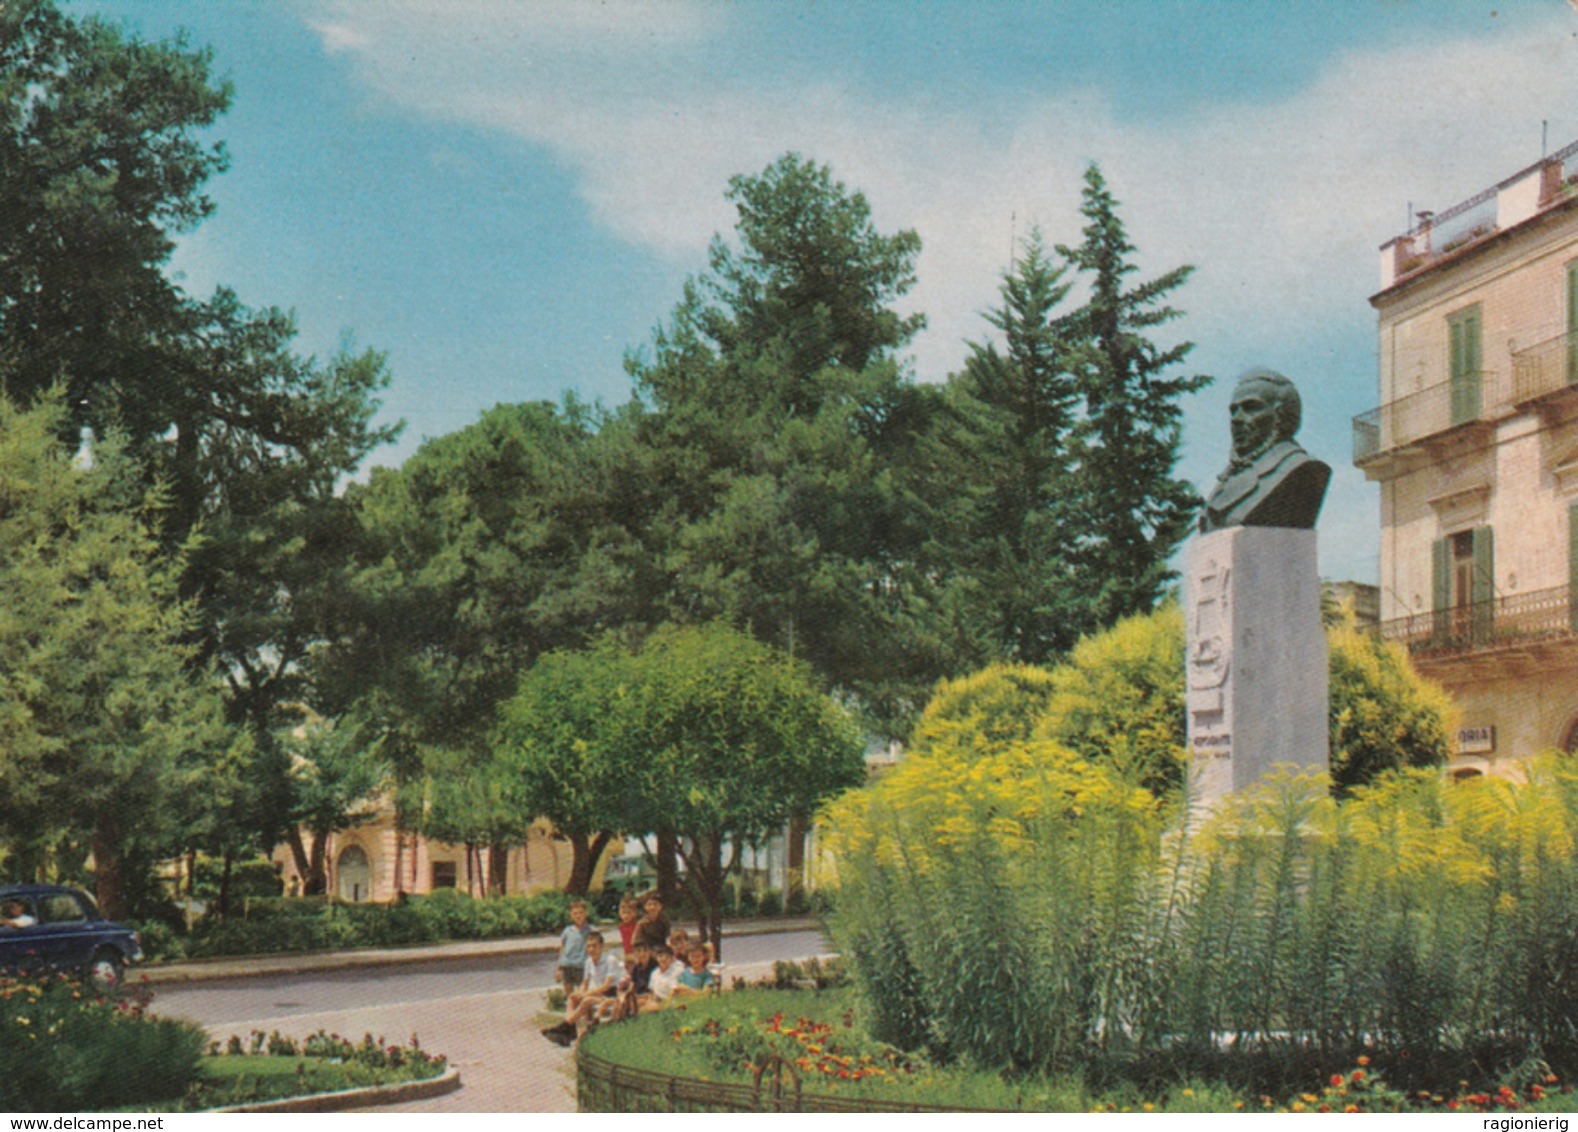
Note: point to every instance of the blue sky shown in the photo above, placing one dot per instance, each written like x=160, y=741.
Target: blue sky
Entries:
x=507, y=196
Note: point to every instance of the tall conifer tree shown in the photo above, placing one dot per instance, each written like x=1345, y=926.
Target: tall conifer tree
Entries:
x=1019, y=408
x=1137, y=511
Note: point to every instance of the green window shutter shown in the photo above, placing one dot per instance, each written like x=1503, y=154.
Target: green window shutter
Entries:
x=1483, y=593
x=1463, y=340
x=1572, y=565
x=1440, y=590
x=1572, y=324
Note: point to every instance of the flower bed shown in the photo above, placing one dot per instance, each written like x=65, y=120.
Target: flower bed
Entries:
x=64, y=1046
x=808, y=1051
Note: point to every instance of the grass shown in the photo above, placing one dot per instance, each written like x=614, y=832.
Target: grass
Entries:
x=718, y=1038
x=243, y=1078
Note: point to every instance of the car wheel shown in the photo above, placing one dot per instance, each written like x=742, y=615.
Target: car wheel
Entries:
x=106, y=971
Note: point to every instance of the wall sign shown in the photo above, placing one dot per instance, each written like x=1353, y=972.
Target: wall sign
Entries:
x=1476, y=740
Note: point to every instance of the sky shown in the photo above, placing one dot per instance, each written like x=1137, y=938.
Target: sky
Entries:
x=506, y=196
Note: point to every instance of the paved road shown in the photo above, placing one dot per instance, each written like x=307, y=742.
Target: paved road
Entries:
x=481, y=1012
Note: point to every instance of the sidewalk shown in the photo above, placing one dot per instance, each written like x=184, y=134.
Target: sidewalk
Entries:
x=238, y=967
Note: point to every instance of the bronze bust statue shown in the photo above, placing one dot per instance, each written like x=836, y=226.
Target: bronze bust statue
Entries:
x=1271, y=481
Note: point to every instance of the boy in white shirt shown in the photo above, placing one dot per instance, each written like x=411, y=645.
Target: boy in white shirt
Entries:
x=664, y=980
x=603, y=972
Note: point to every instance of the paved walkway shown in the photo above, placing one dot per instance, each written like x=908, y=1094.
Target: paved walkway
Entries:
x=505, y=1064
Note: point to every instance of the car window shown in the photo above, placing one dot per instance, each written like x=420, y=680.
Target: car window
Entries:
x=59, y=908
x=12, y=907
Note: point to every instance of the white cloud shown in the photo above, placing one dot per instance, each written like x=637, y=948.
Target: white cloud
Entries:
x=1282, y=204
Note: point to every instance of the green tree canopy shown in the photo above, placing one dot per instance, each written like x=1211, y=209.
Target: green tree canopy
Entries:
x=104, y=160
x=778, y=409
x=567, y=742
x=704, y=733
x=104, y=725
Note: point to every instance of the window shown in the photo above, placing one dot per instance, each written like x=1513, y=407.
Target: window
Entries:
x=1463, y=597
x=443, y=875
x=1463, y=340
x=60, y=908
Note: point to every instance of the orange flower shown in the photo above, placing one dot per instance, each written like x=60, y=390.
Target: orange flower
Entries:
x=1362, y=1060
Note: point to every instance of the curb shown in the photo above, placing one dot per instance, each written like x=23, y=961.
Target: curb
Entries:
x=243, y=967
x=366, y=1097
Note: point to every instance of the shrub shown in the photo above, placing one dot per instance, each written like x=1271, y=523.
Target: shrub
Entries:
x=1433, y=920
x=64, y=1047
x=1383, y=715
x=276, y=925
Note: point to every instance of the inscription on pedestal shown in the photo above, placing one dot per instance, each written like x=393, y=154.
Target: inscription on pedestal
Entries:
x=1256, y=653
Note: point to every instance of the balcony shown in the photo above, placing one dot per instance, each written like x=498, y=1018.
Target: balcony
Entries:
x=1433, y=412
x=1518, y=620
x=1546, y=371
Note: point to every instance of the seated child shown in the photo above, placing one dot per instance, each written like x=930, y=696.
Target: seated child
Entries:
x=597, y=991
x=664, y=979
x=695, y=978
x=639, y=966
x=629, y=913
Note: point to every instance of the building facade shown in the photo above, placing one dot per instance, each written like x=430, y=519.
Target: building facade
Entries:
x=1475, y=448
x=374, y=862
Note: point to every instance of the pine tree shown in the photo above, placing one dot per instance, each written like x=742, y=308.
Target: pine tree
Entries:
x=1136, y=511
x=1019, y=410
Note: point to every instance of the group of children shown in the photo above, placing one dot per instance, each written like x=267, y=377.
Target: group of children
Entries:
x=658, y=965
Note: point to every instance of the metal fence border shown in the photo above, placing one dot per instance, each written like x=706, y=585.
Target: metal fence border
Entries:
x=602, y=1085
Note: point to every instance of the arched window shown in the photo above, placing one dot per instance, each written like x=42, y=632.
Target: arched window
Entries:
x=354, y=875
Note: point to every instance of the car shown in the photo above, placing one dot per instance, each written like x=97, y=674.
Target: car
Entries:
x=56, y=928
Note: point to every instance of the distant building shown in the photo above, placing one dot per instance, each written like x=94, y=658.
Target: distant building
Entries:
x=1359, y=601
x=375, y=863
x=1475, y=447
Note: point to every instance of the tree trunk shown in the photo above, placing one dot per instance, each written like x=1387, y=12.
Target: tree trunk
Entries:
x=399, y=836
x=317, y=881
x=583, y=864
x=666, y=866
x=224, y=885
x=498, y=869
x=712, y=876
x=191, y=872
x=109, y=883
x=794, y=867
x=298, y=854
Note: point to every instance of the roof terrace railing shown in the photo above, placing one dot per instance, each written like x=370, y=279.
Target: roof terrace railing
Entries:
x=1503, y=205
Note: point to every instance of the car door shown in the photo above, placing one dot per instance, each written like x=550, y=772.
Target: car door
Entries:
x=64, y=932
x=22, y=949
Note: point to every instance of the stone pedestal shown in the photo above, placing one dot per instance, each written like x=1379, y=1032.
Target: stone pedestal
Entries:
x=1256, y=657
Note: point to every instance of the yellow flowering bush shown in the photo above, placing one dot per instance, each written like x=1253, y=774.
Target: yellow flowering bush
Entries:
x=1018, y=892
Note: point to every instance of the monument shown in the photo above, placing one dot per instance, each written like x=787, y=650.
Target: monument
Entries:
x=1256, y=692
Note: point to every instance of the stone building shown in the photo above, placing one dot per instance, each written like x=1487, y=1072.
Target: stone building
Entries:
x=1475, y=448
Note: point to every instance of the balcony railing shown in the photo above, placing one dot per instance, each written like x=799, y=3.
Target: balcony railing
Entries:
x=1516, y=619
x=1546, y=368
x=1431, y=411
